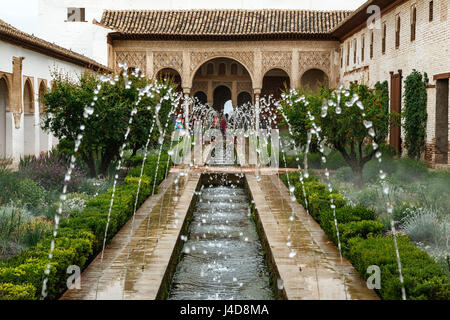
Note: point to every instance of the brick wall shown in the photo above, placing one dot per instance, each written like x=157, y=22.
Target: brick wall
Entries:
x=429, y=52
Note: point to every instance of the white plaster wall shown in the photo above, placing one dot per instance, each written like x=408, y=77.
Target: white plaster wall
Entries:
x=38, y=66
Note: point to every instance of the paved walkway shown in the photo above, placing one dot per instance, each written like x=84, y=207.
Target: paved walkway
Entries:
x=315, y=272
x=134, y=267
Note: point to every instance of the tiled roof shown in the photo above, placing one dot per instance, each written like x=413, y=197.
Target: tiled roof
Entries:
x=12, y=35
x=219, y=23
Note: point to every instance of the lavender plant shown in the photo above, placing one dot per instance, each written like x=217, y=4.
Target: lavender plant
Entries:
x=49, y=171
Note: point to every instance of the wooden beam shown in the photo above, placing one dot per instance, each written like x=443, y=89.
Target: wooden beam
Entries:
x=441, y=76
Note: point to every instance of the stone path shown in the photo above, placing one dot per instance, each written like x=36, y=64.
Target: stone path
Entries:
x=315, y=272
x=134, y=267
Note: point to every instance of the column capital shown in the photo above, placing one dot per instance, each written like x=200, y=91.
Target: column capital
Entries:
x=257, y=91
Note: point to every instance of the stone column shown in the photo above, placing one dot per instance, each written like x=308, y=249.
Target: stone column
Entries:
x=186, y=106
x=257, y=93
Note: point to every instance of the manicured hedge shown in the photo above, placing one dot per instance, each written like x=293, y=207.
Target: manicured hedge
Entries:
x=79, y=239
x=364, y=245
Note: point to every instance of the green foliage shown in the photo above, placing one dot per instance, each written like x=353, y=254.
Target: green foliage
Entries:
x=363, y=244
x=423, y=278
x=343, y=128
x=79, y=239
x=415, y=114
x=9, y=291
x=104, y=132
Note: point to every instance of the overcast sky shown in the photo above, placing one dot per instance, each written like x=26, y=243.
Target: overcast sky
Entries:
x=23, y=14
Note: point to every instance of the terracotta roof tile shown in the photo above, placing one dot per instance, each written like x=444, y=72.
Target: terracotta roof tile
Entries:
x=219, y=22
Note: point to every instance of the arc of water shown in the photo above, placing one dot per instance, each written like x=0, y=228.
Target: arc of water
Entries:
x=88, y=111
x=133, y=112
x=157, y=109
x=368, y=124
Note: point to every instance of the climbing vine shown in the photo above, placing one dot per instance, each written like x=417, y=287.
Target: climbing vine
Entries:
x=415, y=114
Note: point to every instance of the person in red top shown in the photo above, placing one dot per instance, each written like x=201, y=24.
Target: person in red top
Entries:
x=223, y=125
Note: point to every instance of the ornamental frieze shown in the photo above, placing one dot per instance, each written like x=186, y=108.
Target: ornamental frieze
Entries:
x=314, y=59
x=168, y=59
x=276, y=59
x=132, y=58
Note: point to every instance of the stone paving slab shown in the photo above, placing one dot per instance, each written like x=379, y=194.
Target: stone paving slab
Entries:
x=315, y=272
x=135, y=261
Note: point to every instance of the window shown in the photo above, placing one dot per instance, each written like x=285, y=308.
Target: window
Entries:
x=234, y=69
x=76, y=15
x=354, y=50
x=348, y=53
x=222, y=69
x=430, y=12
x=397, y=32
x=413, y=23
x=210, y=68
x=371, y=45
x=342, y=57
x=383, y=40
x=363, y=47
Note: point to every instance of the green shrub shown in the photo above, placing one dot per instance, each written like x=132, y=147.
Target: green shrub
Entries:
x=364, y=246
x=335, y=161
x=9, y=291
x=78, y=240
x=409, y=170
x=352, y=222
x=343, y=174
x=423, y=278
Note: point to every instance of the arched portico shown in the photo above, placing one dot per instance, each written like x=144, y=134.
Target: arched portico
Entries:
x=221, y=72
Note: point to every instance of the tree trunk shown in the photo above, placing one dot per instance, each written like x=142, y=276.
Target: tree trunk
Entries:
x=107, y=158
x=89, y=160
x=357, y=175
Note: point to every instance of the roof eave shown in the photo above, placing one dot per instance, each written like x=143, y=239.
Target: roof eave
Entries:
x=216, y=37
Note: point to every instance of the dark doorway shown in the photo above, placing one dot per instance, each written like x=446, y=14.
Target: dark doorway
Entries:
x=221, y=95
x=442, y=121
x=396, y=105
x=243, y=98
x=274, y=82
x=313, y=79
x=170, y=75
x=201, y=97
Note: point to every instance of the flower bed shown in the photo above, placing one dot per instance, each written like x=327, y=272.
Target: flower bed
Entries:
x=79, y=238
x=364, y=244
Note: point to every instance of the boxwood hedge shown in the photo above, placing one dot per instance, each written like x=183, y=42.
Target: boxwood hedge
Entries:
x=364, y=245
x=79, y=238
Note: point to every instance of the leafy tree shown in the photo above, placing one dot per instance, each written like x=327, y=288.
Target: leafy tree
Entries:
x=105, y=129
x=415, y=114
x=346, y=126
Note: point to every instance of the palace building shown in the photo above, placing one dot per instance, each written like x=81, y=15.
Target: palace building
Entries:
x=240, y=55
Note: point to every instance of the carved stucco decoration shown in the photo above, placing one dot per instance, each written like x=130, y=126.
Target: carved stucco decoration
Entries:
x=314, y=60
x=200, y=86
x=168, y=59
x=133, y=59
x=276, y=59
x=244, y=86
x=246, y=58
x=216, y=84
